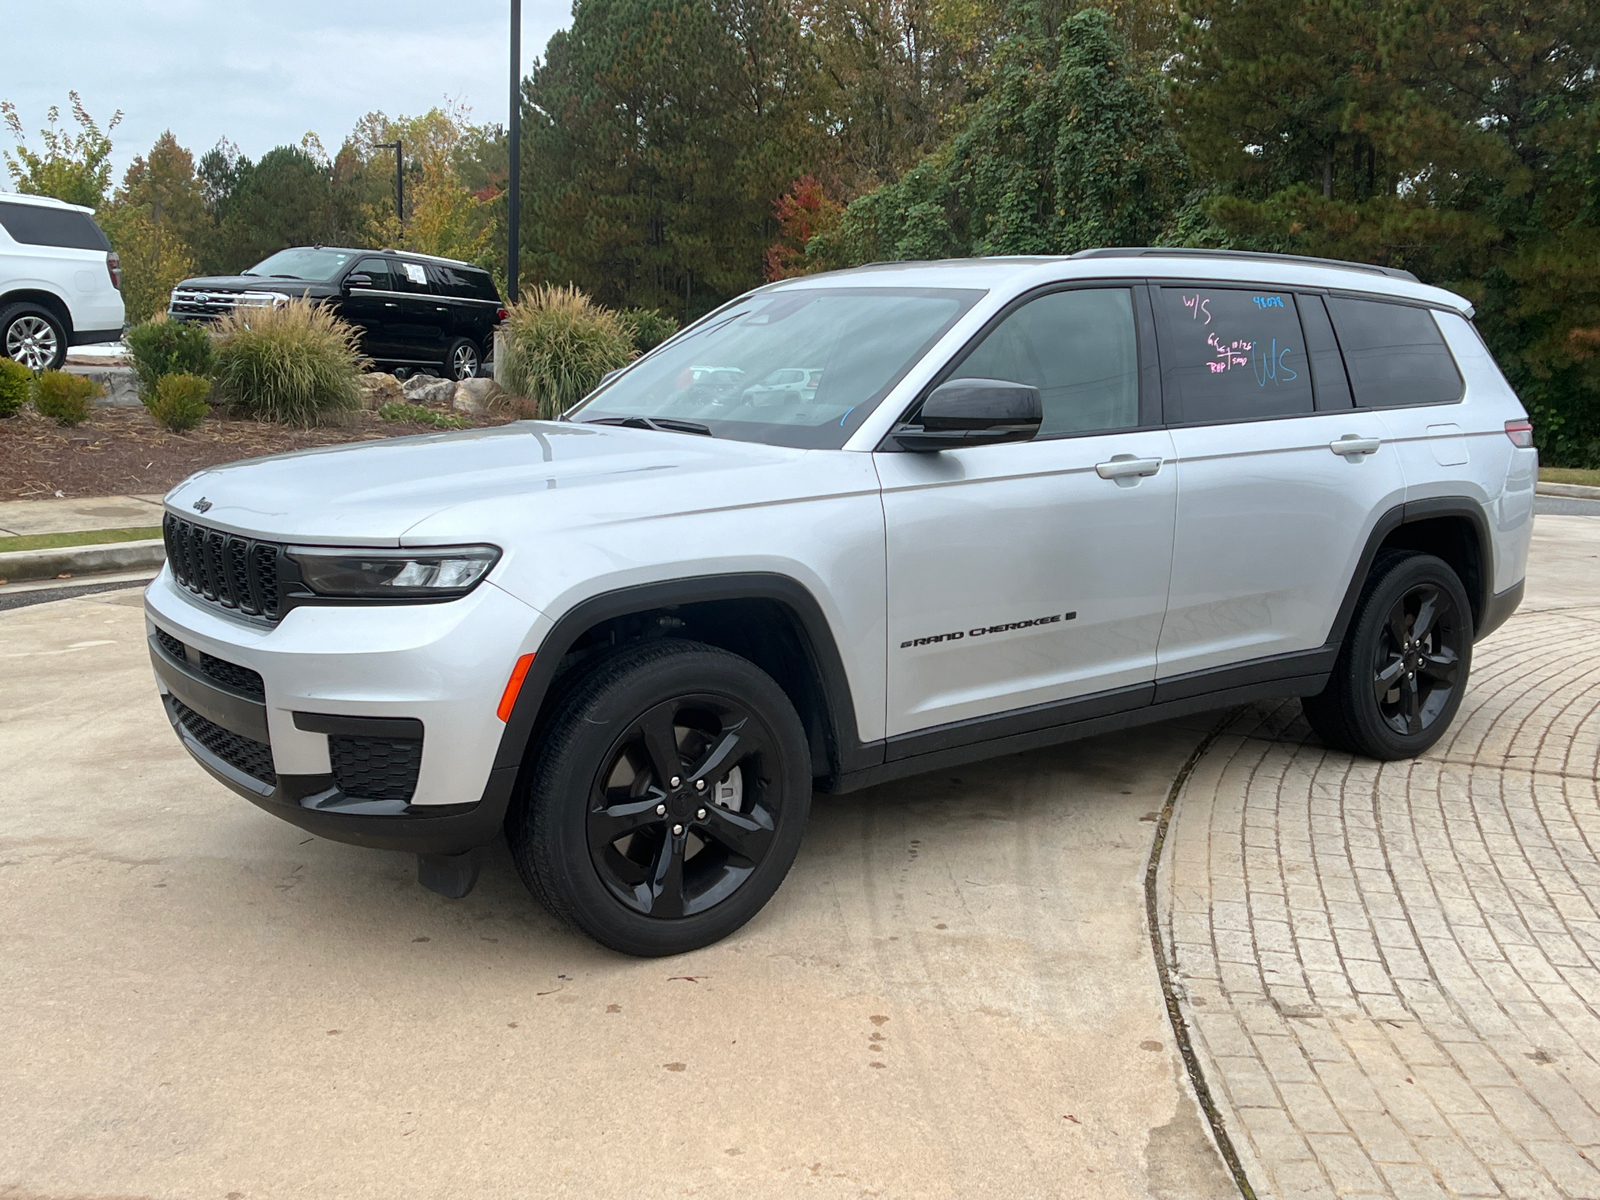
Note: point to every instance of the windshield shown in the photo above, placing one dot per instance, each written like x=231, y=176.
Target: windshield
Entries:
x=794, y=367
x=303, y=263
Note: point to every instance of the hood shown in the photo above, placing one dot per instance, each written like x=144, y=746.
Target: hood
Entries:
x=373, y=492
x=255, y=283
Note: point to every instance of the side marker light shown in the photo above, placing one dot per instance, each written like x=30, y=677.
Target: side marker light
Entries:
x=508, y=698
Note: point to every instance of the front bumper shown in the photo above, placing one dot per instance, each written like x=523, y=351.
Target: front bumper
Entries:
x=272, y=712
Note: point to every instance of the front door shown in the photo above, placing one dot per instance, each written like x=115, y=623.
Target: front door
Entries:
x=1032, y=573
x=374, y=307
x=1280, y=479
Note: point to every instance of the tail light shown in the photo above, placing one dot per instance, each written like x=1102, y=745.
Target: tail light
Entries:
x=500, y=314
x=1521, y=434
x=114, y=269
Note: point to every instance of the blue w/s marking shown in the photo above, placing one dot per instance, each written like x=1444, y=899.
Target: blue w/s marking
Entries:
x=1273, y=366
x=847, y=412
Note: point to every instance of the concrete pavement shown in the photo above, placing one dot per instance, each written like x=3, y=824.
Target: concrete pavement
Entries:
x=952, y=996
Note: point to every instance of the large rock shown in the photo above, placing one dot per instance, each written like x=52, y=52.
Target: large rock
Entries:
x=429, y=389
x=476, y=397
x=378, y=389
x=119, y=388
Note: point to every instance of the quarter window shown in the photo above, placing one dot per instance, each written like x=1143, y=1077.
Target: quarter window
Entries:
x=1232, y=354
x=1079, y=348
x=1395, y=353
x=38, y=225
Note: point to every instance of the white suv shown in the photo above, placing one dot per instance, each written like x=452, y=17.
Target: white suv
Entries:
x=1029, y=500
x=60, y=281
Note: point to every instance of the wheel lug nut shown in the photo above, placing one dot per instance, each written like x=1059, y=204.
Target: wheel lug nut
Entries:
x=677, y=830
x=701, y=815
x=699, y=785
x=675, y=782
x=661, y=810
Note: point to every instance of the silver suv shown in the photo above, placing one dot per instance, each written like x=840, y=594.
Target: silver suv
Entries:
x=1027, y=500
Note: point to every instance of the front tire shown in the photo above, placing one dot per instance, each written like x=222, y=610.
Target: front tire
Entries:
x=667, y=799
x=33, y=336
x=1403, y=668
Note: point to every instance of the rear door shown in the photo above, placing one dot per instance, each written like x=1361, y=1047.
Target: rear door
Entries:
x=1280, y=479
x=1033, y=573
x=424, y=327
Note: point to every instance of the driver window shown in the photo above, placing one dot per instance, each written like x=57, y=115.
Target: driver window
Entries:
x=379, y=270
x=1079, y=348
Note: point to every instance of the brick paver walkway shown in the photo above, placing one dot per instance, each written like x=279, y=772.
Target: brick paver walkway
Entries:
x=1391, y=973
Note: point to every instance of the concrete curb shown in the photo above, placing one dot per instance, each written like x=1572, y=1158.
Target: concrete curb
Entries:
x=18, y=565
x=1575, y=491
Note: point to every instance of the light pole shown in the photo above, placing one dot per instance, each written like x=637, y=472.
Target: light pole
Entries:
x=514, y=200
x=399, y=182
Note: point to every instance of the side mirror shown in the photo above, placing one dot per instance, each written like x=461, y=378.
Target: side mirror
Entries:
x=975, y=412
x=358, y=279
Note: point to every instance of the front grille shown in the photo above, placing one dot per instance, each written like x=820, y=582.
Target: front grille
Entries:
x=240, y=679
x=370, y=768
x=170, y=644
x=232, y=572
x=201, y=304
x=245, y=754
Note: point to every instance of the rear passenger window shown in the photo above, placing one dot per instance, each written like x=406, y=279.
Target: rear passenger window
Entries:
x=1395, y=353
x=1232, y=354
x=36, y=225
x=1079, y=348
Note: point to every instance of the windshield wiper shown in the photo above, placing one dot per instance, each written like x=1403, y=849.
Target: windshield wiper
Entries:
x=662, y=424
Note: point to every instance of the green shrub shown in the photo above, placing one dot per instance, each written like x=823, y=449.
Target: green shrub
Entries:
x=648, y=327
x=63, y=396
x=558, y=344
x=179, y=402
x=16, y=385
x=418, y=414
x=161, y=347
x=297, y=364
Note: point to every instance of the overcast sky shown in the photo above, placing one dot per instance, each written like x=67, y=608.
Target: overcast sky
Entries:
x=261, y=73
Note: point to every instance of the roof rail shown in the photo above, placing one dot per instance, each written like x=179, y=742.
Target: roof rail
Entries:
x=454, y=262
x=1252, y=255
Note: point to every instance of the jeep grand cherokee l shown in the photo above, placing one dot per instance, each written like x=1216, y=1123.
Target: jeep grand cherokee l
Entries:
x=1028, y=500
x=413, y=310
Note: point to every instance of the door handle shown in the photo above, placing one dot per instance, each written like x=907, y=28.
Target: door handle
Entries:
x=1354, y=446
x=440, y=308
x=1125, y=465
x=390, y=304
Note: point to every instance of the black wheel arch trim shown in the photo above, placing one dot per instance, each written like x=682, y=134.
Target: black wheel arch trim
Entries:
x=845, y=751
x=1485, y=614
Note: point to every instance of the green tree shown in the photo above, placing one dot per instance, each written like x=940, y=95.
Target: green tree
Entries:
x=657, y=134
x=71, y=167
x=1454, y=138
x=1069, y=150
x=157, y=223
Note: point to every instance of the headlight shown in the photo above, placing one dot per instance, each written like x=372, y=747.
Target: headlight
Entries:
x=441, y=573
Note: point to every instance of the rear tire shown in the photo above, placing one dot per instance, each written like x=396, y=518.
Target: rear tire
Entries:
x=614, y=836
x=33, y=336
x=1401, y=673
x=463, y=360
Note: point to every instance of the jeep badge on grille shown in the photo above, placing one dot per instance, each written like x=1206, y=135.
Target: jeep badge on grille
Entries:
x=202, y=505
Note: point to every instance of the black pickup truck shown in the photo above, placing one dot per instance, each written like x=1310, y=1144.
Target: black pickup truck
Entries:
x=414, y=311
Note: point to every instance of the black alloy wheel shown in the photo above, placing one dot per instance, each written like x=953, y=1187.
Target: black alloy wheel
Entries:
x=667, y=798
x=671, y=830
x=1404, y=664
x=463, y=360
x=1417, y=669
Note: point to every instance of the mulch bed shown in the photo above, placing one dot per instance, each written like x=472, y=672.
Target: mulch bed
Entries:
x=121, y=451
